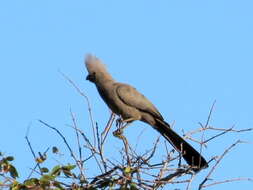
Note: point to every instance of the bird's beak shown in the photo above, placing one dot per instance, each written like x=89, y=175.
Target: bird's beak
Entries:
x=88, y=77
x=91, y=77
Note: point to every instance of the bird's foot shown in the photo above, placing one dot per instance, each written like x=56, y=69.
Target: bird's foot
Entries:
x=121, y=125
x=118, y=133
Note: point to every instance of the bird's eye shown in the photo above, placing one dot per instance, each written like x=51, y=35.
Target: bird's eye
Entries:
x=93, y=75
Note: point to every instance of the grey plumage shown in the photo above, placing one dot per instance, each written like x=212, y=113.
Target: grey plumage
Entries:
x=125, y=101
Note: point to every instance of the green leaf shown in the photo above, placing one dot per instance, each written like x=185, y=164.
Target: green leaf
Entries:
x=39, y=160
x=31, y=182
x=68, y=167
x=10, y=158
x=15, y=188
x=56, y=170
x=13, y=171
x=58, y=185
x=128, y=170
x=133, y=187
x=67, y=173
x=67, y=170
x=55, y=150
x=47, y=178
x=44, y=170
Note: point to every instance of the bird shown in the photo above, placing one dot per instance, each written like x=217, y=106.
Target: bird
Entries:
x=130, y=105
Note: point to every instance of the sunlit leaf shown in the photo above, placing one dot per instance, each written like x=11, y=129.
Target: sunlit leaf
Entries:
x=44, y=170
x=69, y=167
x=128, y=170
x=56, y=170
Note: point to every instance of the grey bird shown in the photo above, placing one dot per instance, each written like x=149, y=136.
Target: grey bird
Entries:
x=125, y=101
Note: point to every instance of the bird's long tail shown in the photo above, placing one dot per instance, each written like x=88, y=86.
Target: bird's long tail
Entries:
x=191, y=156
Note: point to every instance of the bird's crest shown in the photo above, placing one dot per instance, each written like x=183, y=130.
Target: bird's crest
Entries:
x=93, y=64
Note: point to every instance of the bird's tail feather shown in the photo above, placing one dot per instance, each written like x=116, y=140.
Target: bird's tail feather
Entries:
x=191, y=156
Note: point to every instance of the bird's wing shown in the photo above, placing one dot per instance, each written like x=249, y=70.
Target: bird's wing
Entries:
x=130, y=96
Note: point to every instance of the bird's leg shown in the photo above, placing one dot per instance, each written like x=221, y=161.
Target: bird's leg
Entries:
x=118, y=132
x=120, y=124
x=127, y=122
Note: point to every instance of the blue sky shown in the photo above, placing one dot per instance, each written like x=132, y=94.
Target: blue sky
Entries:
x=182, y=55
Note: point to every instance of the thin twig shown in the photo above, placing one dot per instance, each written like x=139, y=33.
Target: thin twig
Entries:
x=227, y=181
x=63, y=138
x=188, y=134
x=217, y=163
x=219, y=134
x=100, y=149
x=87, y=101
x=153, y=150
x=107, y=128
x=91, y=148
x=190, y=182
x=80, y=163
x=204, y=130
x=31, y=149
x=37, y=164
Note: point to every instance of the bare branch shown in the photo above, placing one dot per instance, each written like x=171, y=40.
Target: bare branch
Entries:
x=228, y=181
x=87, y=101
x=63, y=138
x=217, y=163
x=80, y=162
x=32, y=151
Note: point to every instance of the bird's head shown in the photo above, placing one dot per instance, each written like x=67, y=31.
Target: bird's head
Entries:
x=96, y=70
